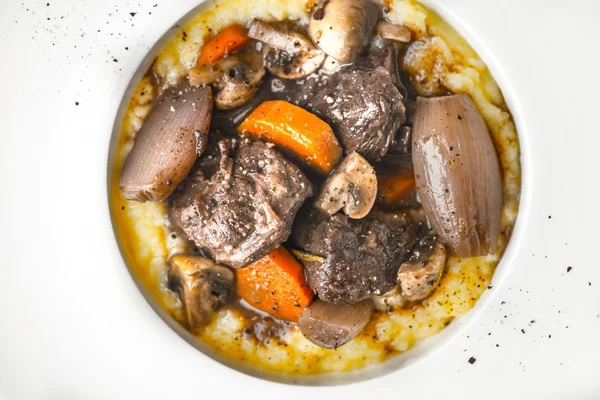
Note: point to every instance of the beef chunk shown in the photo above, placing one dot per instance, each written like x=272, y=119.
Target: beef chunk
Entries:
x=383, y=53
x=364, y=108
x=240, y=205
x=362, y=257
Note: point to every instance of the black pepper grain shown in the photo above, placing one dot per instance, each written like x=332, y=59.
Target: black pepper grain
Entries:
x=472, y=360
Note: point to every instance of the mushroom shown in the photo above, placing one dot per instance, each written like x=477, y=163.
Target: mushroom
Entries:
x=168, y=144
x=342, y=28
x=333, y=325
x=287, y=55
x=202, y=287
x=398, y=33
x=351, y=186
x=236, y=78
x=421, y=273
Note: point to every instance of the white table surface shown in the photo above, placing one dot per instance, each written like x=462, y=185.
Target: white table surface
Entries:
x=73, y=324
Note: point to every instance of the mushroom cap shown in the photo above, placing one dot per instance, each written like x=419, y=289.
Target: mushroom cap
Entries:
x=342, y=28
x=352, y=186
x=240, y=82
x=292, y=66
x=202, y=286
x=236, y=78
x=287, y=55
x=281, y=39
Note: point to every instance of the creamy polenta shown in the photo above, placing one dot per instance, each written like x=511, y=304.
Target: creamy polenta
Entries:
x=147, y=239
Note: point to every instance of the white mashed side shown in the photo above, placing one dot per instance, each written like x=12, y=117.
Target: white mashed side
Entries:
x=147, y=242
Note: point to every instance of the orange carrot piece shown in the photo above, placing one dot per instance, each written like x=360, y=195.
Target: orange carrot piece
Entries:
x=275, y=284
x=296, y=130
x=391, y=188
x=225, y=42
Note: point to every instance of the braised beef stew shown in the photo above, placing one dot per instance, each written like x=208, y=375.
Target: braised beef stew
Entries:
x=313, y=175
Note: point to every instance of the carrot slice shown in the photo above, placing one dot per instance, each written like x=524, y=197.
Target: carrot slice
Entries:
x=296, y=130
x=391, y=188
x=275, y=284
x=225, y=42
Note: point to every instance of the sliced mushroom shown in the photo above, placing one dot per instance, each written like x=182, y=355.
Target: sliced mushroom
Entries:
x=398, y=33
x=333, y=325
x=422, y=272
x=351, y=186
x=202, y=286
x=342, y=28
x=236, y=78
x=287, y=55
x=168, y=144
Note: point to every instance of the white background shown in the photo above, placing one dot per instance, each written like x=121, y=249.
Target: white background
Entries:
x=72, y=322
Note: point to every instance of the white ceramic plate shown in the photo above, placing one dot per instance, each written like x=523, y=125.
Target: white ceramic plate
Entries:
x=74, y=325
